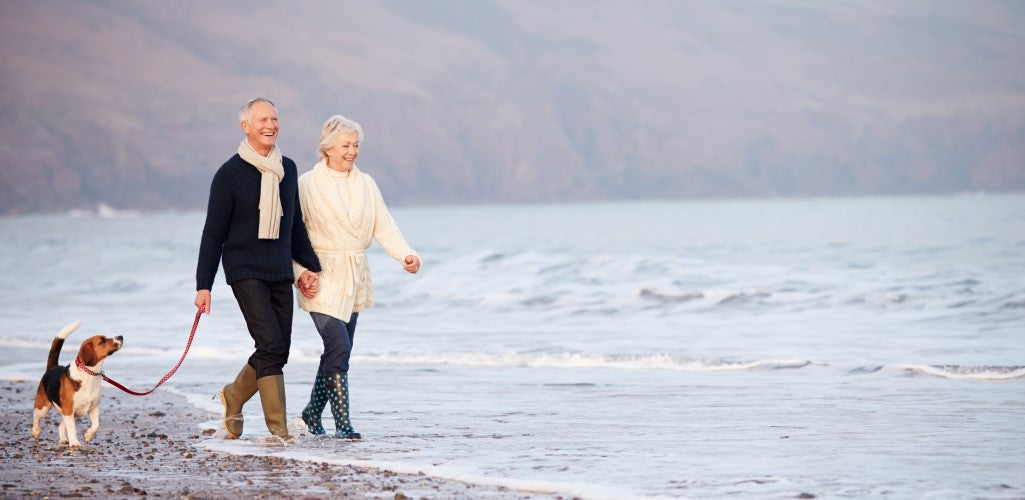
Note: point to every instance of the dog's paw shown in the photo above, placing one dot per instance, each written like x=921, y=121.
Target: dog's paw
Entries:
x=88, y=436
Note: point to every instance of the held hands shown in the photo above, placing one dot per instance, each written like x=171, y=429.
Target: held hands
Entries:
x=309, y=284
x=412, y=264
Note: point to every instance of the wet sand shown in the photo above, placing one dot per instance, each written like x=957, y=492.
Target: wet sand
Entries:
x=147, y=446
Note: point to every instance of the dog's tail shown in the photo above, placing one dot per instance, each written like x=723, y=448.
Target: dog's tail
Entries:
x=58, y=342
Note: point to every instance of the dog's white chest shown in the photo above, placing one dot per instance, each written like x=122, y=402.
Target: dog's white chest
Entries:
x=87, y=397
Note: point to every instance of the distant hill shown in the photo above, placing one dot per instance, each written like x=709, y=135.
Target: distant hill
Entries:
x=133, y=104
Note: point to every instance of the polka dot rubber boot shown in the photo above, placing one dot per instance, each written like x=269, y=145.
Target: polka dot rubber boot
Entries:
x=337, y=385
x=314, y=409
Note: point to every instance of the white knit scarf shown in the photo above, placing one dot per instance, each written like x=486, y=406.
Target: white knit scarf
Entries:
x=270, y=200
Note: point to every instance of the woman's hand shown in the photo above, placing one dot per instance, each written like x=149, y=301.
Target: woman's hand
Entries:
x=412, y=264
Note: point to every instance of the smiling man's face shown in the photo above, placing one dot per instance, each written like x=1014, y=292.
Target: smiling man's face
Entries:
x=262, y=127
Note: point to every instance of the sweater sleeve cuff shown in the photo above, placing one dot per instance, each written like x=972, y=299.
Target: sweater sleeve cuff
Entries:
x=297, y=270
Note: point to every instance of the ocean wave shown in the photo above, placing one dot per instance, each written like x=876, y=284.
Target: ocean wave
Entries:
x=664, y=296
x=962, y=372
x=568, y=360
x=25, y=343
x=117, y=286
x=212, y=352
x=716, y=296
x=667, y=362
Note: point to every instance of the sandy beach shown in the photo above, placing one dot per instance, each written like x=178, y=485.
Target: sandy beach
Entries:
x=147, y=446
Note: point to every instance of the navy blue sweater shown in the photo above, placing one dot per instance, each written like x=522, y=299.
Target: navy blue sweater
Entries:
x=232, y=220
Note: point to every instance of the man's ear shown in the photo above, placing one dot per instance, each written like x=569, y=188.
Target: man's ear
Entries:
x=245, y=127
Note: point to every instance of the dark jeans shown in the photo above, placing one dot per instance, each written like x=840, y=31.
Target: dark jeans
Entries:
x=267, y=308
x=338, y=336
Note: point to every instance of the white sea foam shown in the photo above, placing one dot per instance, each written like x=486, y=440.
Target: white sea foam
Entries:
x=966, y=372
x=257, y=446
x=207, y=403
x=568, y=360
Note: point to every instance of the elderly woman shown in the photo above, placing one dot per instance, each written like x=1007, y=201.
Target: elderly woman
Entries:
x=342, y=209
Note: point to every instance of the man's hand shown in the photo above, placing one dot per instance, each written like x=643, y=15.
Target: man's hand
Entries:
x=203, y=300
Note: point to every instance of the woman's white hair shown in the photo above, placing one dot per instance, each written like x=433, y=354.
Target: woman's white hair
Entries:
x=331, y=129
x=243, y=114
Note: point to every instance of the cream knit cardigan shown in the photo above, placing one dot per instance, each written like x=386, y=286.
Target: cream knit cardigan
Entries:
x=341, y=239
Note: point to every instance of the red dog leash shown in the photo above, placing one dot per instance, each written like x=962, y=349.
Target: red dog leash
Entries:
x=192, y=334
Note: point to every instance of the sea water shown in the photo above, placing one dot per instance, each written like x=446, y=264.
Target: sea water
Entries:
x=746, y=348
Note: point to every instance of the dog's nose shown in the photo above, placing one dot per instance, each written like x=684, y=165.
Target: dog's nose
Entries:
x=120, y=340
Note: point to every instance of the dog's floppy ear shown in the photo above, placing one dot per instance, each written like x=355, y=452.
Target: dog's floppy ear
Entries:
x=88, y=353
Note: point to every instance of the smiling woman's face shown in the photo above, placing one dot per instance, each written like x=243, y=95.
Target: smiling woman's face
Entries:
x=341, y=156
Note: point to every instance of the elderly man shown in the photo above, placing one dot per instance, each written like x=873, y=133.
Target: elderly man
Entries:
x=255, y=224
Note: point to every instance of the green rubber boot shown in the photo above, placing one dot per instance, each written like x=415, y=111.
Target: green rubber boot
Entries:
x=272, y=396
x=233, y=396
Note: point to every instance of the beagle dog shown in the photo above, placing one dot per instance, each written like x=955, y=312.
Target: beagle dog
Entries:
x=74, y=389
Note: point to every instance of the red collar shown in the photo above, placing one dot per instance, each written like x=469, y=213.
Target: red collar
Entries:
x=81, y=366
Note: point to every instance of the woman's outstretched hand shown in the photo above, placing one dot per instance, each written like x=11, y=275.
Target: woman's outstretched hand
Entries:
x=412, y=264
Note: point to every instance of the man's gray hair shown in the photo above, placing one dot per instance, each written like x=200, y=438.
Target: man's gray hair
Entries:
x=331, y=129
x=243, y=114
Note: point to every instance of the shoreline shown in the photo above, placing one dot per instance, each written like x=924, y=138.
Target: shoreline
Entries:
x=151, y=446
